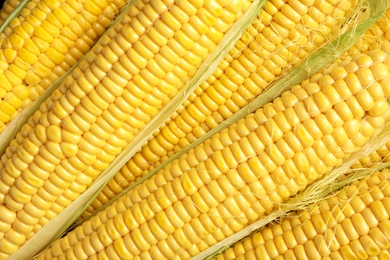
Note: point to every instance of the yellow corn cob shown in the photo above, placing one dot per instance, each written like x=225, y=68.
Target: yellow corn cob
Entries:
x=242, y=173
x=42, y=43
x=138, y=66
x=255, y=61
x=8, y=7
x=354, y=224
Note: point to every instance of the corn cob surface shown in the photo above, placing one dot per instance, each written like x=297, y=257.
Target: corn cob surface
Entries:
x=242, y=173
x=136, y=69
x=284, y=33
x=42, y=43
x=354, y=224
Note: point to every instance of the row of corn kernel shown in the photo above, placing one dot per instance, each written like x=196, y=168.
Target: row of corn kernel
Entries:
x=354, y=224
x=102, y=105
x=240, y=174
x=263, y=53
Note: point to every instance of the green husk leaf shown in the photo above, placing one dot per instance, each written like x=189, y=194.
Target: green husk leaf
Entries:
x=57, y=226
x=15, y=13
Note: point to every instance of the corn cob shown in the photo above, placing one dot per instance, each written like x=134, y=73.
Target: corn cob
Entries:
x=242, y=173
x=42, y=43
x=255, y=61
x=8, y=7
x=354, y=224
x=138, y=66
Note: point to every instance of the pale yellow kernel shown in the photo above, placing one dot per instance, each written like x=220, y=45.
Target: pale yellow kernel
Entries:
x=360, y=224
x=380, y=108
x=338, y=73
x=369, y=245
x=352, y=127
x=303, y=135
x=10, y=55
x=344, y=111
